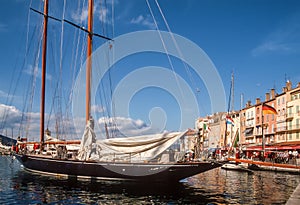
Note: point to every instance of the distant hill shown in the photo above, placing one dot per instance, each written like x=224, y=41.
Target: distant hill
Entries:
x=7, y=141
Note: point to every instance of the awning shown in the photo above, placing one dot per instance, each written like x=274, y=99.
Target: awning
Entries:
x=249, y=131
x=272, y=148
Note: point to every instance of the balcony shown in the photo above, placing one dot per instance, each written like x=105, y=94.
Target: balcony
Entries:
x=289, y=116
x=280, y=129
x=293, y=128
x=250, y=118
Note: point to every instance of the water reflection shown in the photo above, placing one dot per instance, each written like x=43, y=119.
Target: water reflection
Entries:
x=214, y=187
x=233, y=187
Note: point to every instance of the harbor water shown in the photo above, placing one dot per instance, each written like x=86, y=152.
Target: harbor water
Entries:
x=218, y=186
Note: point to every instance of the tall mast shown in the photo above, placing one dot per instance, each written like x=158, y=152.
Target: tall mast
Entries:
x=89, y=60
x=232, y=92
x=42, y=106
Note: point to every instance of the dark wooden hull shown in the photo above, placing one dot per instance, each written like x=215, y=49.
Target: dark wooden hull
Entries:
x=152, y=172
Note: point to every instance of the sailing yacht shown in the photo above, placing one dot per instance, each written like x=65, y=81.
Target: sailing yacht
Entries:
x=129, y=158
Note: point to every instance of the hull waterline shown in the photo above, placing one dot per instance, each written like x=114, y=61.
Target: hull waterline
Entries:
x=152, y=172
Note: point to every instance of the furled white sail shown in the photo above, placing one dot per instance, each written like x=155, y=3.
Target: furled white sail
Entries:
x=130, y=149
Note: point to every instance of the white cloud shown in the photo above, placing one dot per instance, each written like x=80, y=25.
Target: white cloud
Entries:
x=144, y=21
x=104, y=15
x=3, y=94
x=284, y=39
x=98, y=109
x=272, y=46
x=80, y=16
x=121, y=126
x=36, y=72
x=28, y=124
x=3, y=27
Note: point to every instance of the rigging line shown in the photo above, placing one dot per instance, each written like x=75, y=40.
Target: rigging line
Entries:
x=57, y=83
x=177, y=46
x=61, y=59
x=165, y=48
x=179, y=51
x=112, y=121
x=28, y=20
x=107, y=54
x=78, y=57
x=104, y=100
x=12, y=90
x=34, y=78
x=74, y=65
x=84, y=29
x=103, y=17
x=229, y=100
x=113, y=18
x=50, y=17
x=24, y=116
x=25, y=100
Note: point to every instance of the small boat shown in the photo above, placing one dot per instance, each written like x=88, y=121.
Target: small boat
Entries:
x=243, y=167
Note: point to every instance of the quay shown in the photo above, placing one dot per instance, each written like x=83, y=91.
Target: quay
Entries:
x=295, y=197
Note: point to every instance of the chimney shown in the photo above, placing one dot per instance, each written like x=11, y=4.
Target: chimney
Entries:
x=267, y=96
x=284, y=89
x=257, y=101
x=248, y=104
x=298, y=86
x=289, y=85
x=272, y=93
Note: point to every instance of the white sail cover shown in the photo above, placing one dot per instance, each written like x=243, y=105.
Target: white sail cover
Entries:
x=130, y=149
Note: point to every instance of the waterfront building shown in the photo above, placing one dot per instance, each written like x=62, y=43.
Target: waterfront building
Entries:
x=266, y=122
x=217, y=130
x=293, y=115
x=279, y=129
x=249, y=135
x=242, y=132
x=281, y=117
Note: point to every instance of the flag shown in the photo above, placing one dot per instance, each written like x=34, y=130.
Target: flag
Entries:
x=235, y=144
x=229, y=120
x=267, y=109
x=206, y=128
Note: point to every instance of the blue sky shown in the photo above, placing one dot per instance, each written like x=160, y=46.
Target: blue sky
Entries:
x=258, y=40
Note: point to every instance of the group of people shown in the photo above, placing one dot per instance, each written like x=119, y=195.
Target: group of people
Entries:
x=278, y=156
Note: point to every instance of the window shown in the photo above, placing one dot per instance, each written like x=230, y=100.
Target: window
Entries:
x=278, y=101
x=297, y=123
x=283, y=100
x=290, y=136
x=290, y=110
x=297, y=135
x=297, y=109
x=290, y=125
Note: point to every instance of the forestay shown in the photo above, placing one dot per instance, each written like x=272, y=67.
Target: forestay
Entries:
x=133, y=149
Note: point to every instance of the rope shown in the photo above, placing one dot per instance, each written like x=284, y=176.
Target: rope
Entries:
x=165, y=49
x=178, y=48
